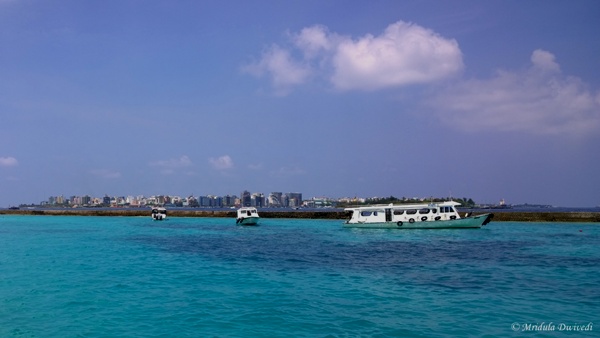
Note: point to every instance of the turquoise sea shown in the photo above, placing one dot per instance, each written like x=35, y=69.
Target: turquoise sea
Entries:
x=84, y=276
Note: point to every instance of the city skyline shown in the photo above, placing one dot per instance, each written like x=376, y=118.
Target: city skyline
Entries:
x=493, y=100
x=246, y=198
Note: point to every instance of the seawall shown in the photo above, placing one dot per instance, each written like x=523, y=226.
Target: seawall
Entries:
x=499, y=216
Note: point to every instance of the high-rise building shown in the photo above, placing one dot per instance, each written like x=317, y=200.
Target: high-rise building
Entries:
x=246, y=198
x=205, y=201
x=217, y=201
x=294, y=199
x=275, y=200
x=258, y=200
x=229, y=201
x=86, y=200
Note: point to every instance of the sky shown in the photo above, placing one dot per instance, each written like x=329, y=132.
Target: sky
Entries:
x=487, y=100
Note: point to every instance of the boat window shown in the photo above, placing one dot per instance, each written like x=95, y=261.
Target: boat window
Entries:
x=424, y=211
x=365, y=213
x=411, y=211
x=398, y=212
x=434, y=211
x=374, y=213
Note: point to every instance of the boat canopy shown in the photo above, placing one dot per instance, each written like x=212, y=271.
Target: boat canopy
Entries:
x=405, y=206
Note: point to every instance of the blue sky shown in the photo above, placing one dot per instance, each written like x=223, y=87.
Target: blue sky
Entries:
x=479, y=99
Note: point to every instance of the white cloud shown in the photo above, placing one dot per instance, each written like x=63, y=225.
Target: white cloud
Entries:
x=540, y=100
x=8, y=162
x=404, y=54
x=544, y=61
x=314, y=40
x=283, y=71
x=221, y=163
x=105, y=173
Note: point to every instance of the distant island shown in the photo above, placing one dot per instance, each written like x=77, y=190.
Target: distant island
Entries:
x=247, y=199
x=281, y=205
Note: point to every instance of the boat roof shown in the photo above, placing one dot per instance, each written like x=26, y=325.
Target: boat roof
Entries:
x=406, y=206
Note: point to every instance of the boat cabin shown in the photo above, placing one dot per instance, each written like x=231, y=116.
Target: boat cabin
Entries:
x=159, y=214
x=247, y=212
x=247, y=216
x=408, y=213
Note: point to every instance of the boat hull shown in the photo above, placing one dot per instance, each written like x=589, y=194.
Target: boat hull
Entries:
x=248, y=221
x=463, y=223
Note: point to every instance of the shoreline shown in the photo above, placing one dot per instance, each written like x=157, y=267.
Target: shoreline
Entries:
x=499, y=216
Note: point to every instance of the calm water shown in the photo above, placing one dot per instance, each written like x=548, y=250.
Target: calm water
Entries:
x=201, y=277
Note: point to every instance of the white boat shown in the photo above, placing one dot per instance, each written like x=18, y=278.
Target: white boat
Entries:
x=159, y=213
x=247, y=216
x=442, y=215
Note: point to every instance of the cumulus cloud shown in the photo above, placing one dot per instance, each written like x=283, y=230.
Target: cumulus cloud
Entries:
x=8, y=162
x=221, y=163
x=279, y=66
x=403, y=54
x=539, y=100
x=105, y=173
x=544, y=61
x=315, y=40
x=169, y=166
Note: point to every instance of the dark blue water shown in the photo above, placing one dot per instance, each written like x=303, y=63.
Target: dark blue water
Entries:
x=196, y=277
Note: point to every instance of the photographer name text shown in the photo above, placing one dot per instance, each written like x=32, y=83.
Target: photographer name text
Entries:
x=543, y=326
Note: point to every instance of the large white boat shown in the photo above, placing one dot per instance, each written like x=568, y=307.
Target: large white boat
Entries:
x=442, y=215
x=247, y=216
x=159, y=213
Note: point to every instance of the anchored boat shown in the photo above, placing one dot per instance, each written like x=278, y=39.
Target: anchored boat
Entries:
x=159, y=214
x=441, y=215
x=247, y=216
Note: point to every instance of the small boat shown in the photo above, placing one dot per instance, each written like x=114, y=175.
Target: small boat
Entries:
x=247, y=216
x=159, y=213
x=441, y=215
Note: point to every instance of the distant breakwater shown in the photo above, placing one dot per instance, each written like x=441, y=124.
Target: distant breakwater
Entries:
x=499, y=216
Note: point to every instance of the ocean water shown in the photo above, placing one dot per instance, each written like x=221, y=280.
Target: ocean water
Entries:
x=78, y=276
